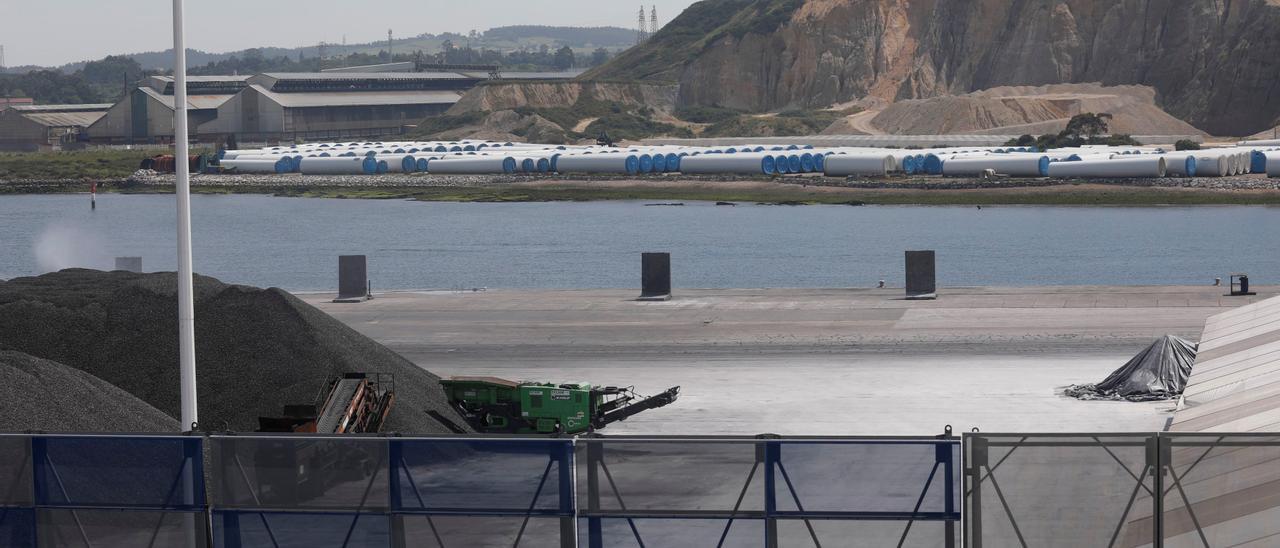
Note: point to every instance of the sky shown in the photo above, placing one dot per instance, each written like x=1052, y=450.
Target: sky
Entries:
x=55, y=32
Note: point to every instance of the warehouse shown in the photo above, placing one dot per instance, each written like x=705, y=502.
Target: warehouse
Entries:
x=278, y=106
x=46, y=127
x=146, y=115
x=7, y=102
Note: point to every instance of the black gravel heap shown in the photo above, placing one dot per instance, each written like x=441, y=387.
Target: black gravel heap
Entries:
x=256, y=349
x=51, y=397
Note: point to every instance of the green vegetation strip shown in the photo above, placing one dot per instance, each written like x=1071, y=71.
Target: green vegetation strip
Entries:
x=68, y=167
x=97, y=164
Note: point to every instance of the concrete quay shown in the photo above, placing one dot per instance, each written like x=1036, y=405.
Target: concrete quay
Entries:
x=809, y=361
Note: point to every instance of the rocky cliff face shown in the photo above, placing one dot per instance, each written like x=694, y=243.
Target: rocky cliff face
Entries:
x=1213, y=63
x=509, y=95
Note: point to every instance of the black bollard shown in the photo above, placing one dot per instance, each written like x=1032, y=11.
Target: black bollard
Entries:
x=655, y=277
x=353, y=279
x=921, y=279
x=129, y=264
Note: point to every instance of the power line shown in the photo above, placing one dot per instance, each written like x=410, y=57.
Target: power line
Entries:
x=642, y=29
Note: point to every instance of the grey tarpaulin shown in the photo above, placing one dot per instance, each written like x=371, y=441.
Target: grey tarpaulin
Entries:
x=1158, y=373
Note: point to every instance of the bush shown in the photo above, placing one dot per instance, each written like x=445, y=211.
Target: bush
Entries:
x=791, y=123
x=1023, y=141
x=1186, y=144
x=630, y=127
x=432, y=125
x=1114, y=140
x=706, y=115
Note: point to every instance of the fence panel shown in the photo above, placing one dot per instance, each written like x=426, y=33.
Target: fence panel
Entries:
x=484, y=492
x=886, y=492
x=15, y=472
x=1065, y=490
x=768, y=492
x=1221, y=490
x=104, y=491
x=299, y=473
x=300, y=491
x=356, y=492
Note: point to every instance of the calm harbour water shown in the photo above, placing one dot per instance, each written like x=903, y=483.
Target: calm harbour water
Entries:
x=294, y=242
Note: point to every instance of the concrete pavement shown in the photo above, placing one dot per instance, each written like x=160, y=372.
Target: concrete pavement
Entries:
x=809, y=361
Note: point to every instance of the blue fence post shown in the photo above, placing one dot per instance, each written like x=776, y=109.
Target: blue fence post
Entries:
x=568, y=520
x=34, y=446
x=39, y=456
x=395, y=456
x=193, y=480
x=230, y=530
x=226, y=447
x=772, y=456
x=195, y=504
x=946, y=458
x=595, y=529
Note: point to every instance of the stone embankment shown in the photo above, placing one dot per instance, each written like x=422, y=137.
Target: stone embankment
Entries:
x=1242, y=182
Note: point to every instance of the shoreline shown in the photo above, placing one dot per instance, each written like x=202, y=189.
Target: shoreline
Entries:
x=812, y=190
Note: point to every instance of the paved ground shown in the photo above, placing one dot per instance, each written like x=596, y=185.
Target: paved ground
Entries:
x=809, y=361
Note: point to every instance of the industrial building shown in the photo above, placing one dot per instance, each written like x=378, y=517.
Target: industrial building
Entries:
x=146, y=114
x=354, y=102
x=46, y=127
x=283, y=106
x=292, y=106
x=6, y=102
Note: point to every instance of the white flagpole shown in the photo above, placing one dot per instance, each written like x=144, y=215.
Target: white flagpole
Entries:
x=186, y=302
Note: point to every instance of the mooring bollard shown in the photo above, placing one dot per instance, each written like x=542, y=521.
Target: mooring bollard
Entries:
x=353, y=279
x=129, y=264
x=921, y=278
x=655, y=277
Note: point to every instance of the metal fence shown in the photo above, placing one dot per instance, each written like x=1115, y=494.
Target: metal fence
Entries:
x=475, y=491
x=768, y=492
x=1020, y=490
x=101, y=491
x=1122, y=490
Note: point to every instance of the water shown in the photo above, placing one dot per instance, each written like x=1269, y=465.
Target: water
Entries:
x=293, y=242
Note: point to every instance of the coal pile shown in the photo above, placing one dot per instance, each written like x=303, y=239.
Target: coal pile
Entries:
x=52, y=397
x=256, y=349
x=1159, y=372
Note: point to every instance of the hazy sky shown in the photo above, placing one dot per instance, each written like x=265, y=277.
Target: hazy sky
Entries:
x=53, y=32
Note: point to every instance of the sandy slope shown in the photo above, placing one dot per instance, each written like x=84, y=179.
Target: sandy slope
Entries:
x=1031, y=110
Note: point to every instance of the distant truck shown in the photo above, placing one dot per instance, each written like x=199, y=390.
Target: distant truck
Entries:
x=491, y=404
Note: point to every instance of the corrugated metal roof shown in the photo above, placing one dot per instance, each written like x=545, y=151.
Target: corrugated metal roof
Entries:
x=365, y=75
x=62, y=108
x=194, y=102
x=558, y=75
x=359, y=98
x=1234, y=388
x=404, y=66
x=1235, y=383
x=215, y=79
x=66, y=119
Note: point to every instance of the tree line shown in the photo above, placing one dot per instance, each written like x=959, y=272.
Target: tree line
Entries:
x=108, y=80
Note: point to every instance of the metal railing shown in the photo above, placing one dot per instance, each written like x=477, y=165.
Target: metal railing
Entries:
x=75, y=490
x=769, y=491
x=1115, y=490
x=308, y=490
x=1121, y=490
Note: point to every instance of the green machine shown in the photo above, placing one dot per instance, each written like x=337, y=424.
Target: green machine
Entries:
x=491, y=404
